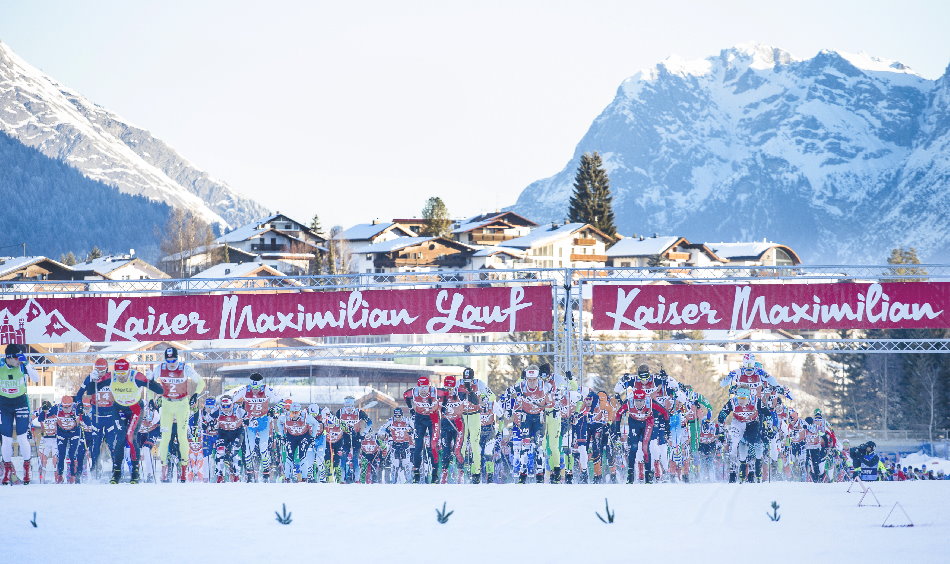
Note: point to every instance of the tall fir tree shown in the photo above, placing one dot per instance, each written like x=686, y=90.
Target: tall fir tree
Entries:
x=592, y=202
x=437, y=220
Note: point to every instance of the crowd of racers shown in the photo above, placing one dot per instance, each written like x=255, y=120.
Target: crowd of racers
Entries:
x=649, y=428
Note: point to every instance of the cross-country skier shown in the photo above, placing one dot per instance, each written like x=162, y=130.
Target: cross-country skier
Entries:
x=148, y=437
x=68, y=440
x=745, y=434
x=47, y=447
x=452, y=426
x=533, y=398
x=298, y=429
x=175, y=377
x=125, y=390
x=397, y=432
x=471, y=391
x=101, y=417
x=230, y=449
x=15, y=410
x=355, y=422
x=256, y=398
x=338, y=458
x=423, y=400
x=639, y=421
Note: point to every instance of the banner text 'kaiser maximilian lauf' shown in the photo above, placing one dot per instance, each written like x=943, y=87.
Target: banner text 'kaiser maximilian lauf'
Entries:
x=921, y=305
x=311, y=314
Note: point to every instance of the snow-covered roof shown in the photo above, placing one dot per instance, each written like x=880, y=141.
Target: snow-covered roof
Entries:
x=12, y=264
x=480, y=221
x=477, y=221
x=635, y=247
x=365, y=231
x=542, y=235
x=243, y=233
x=736, y=250
x=236, y=270
x=105, y=265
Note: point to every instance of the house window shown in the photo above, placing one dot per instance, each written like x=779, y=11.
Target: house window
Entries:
x=369, y=256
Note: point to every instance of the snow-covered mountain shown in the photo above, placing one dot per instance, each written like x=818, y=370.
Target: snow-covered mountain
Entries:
x=62, y=124
x=841, y=156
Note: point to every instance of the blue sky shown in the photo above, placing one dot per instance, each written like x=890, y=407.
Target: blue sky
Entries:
x=362, y=110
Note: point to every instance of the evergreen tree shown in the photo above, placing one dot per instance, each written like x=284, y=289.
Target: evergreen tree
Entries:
x=69, y=259
x=95, y=253
x=592, y=202
x=436, y=215
x=316, y=227
x=319, y=263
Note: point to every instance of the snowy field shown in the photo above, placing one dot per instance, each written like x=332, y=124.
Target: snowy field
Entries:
x=505, y=523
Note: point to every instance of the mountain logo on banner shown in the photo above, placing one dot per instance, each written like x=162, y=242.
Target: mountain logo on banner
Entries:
x=33, y=324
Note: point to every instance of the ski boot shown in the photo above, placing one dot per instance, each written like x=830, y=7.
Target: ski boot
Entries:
x=758, y=471
x=539, y=477
x=631, y=474
x=732, y=476
x=569, y=477
x=490, y=478
x=7, y=473
x=476, y=478
x=235, y=477
x=134, y=478
x=556, y=475
x=743, y=472
x=522, y=477
x=116, y=476
x=415, y=476
x=648, y=477
x=26, y=472
x=182, y=475
x=435, y=475
x=59, y=478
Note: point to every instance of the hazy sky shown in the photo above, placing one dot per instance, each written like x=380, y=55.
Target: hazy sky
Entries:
x=362, y=110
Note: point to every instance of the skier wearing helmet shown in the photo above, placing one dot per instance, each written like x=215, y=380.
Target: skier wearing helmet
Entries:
x=15, y=410
x=256, y=398
x=101, y=420
x=423, y=400
x=471, y=391
x=176, y=379
x=639, y=421
x=68, y=440
x=229, y=422
x=745, y=434
x=125, y=388
x=532, y=398
x=355, y=423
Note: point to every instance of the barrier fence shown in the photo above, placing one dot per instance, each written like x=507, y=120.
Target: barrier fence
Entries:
x=568, y=314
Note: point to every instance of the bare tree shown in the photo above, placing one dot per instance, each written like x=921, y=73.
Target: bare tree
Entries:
x=184, y=231
x=929, y=372
x=338, y=257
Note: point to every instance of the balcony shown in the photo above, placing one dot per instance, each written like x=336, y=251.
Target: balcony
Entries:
x=678, y=256
x=588, y=258
x=583, y=242
x=268, y=247
x=488, y=238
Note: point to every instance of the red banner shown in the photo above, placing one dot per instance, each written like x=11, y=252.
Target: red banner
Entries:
x=921, y=305
x=305, y=314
